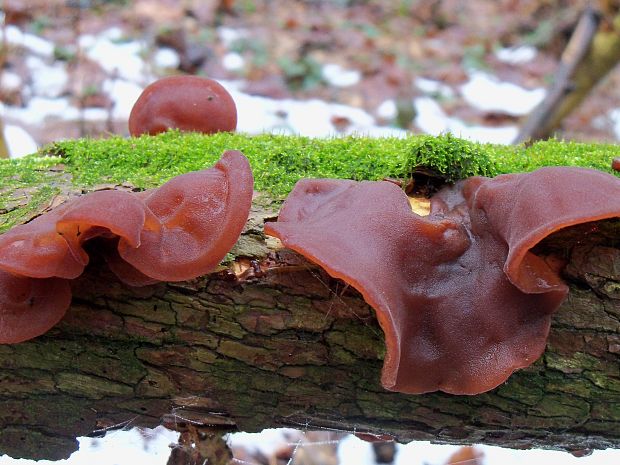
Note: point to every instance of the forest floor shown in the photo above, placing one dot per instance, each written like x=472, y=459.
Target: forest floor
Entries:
x=74, y=68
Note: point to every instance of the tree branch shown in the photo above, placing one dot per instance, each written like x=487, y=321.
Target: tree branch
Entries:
x=273, y=341
x=593, y=51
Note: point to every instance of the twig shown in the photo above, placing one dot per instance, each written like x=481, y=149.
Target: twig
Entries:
x=543, y=118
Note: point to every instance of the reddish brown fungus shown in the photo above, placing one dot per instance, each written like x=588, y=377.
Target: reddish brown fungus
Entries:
x=615, y=164
x=461, y=299
x=187, y=103
x=176, y=232
x=30, y=306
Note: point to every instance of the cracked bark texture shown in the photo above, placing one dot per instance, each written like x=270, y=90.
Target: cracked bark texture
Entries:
x=247, y=348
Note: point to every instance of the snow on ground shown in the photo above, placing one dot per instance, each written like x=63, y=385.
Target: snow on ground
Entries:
x=144, y=447
x=354, y=451
x=19, y=143
x=431, y=119
x=516, y=55
x=485, y=92
x=614, y=116
x=129, y=73
x=152, y=447
x=338, y=76
x=116, y=56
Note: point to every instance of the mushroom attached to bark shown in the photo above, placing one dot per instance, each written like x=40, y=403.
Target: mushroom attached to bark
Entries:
x=187, y=103
x=461, y=299
x=176, y=232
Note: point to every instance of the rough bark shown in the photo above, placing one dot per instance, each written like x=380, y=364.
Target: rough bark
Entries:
x=273, y=341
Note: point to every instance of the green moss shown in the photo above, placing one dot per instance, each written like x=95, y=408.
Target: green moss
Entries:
x=279, y=161
x=26, y=185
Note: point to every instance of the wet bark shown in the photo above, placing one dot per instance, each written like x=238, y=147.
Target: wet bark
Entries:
x=273, y=341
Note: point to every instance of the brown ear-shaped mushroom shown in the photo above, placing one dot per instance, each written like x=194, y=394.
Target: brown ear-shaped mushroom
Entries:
x=199, y=218
x=188, y=103
x=51, y=244
x=35, y=249
x=549, y=199
x=453, y=319
x=179, y=231
x=29, y=307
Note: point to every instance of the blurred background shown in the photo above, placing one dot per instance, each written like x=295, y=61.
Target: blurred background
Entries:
x=486, y=70
x=478, y=69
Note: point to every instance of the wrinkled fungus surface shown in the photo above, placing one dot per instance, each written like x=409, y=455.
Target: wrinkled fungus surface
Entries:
x=176, y=232
x=461, y=299
x=187, y=103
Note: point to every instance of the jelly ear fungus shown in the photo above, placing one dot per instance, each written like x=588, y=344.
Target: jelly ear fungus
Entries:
x=176, y=232
x=462, y=300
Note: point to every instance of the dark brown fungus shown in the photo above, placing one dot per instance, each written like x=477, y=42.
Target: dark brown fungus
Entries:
x=187, y=103
x=176, y=232
x=461, y=299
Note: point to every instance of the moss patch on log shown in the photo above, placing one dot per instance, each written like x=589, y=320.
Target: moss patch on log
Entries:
x=278, y=162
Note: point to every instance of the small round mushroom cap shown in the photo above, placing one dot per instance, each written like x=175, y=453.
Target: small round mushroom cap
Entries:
x=187, y=103
x=615, y=164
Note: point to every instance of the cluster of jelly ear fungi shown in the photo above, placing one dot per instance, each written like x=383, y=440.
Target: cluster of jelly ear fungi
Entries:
x=462, y=300
x=460, y=296
x=176, y=232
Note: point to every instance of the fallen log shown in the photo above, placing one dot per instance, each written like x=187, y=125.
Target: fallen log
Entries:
x=269, y=339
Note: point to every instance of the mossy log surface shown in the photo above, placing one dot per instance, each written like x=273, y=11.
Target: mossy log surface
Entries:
x=270, y=340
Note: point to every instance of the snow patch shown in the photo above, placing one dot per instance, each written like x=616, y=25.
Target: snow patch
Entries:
x=229, y=36
x=431, y=119
x=120, y=59
x=338, y=76
x=47, y=80
x=124, y=94
x=516, y=55
x=432, y=87
x=35, y=44
x=487, y=93
x=166, y=58
x=354, y=451
x=614, y=116
x=266, y=442
x=387, y=110
x=19, y=142
x=233, y=61
x=41, y=108
x=11, y=82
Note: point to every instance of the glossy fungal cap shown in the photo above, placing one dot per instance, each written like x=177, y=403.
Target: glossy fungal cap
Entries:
x=187, y=103
x=549, y=199
x=453, y=319
x=30, y=307
x=35, y=249
x=200, y=217
x=179, y=231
